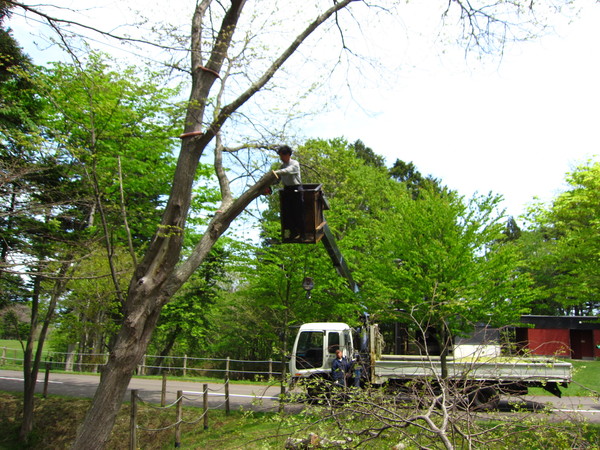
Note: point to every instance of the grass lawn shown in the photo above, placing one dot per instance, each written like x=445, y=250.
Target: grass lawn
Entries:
x=10, y=343
x=12, y=351
x=57, y=420
x=586, y=380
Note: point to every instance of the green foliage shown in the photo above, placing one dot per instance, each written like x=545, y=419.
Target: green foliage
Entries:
x=89, y=312
x=367, y=154
x=14, y=322
x=563, y=246
x=360, y=194
x=441, y=261
x=414, y=181
x=19, y=106
x=106, y=155
x=258, y=320
x=99, y=117
x=17, y=100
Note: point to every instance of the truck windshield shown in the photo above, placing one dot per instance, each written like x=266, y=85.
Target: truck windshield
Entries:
x=309, y=353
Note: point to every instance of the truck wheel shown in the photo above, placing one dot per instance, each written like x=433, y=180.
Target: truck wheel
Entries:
x=483, y=399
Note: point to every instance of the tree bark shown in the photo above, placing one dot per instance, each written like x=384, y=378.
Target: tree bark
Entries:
x=29, y=369
x=127, y=352
x=31, y=365
x=160, y=274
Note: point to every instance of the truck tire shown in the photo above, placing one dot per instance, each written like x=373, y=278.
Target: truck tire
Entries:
x=482, y=399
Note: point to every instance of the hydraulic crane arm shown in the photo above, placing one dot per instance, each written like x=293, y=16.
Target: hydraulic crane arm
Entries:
x=337, y=258
x=310, y=226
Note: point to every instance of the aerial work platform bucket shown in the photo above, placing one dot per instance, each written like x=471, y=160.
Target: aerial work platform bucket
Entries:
x=301, y=215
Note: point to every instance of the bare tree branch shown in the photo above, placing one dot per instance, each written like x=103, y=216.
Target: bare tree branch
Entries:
x=56, y=22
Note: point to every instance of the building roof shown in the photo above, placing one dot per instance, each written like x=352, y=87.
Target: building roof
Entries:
x=563, y=322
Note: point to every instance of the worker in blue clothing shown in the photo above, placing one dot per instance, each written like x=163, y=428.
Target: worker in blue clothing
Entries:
x=340, y=368
x=357, y=368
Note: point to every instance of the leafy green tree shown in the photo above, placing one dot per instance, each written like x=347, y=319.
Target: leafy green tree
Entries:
x=112, y=127
x=18, y=108
x=356, y=190
x=367, y=154
x=414, y=181
x=115, y=126
x=35, y=223
x=89, y=311
x=18, y=104
x=84, y=182
x=563, y=245
x=444, y=267
x=512, y=231
x=271, y=298
x=541, y=264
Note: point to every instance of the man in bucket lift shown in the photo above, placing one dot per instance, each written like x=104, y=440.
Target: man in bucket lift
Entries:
x=292, y=196
x=290, y=168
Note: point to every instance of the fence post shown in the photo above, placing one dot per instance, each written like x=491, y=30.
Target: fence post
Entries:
x=46, y=378
x=270, y=369
x=184, y=365
x=227, y=396
x=227, y=368
x=205, y=402
x=70, y=358
x=163, y=392
x=179, y=419
x=80, y=366
x=133, y=421
x=282, y=394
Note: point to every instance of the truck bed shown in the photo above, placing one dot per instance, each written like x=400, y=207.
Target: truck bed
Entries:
x=497, y=369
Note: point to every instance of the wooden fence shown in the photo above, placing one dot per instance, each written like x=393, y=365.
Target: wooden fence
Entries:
x=223, y=368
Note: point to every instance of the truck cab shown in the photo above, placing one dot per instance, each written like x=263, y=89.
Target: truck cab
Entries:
x=315, y=346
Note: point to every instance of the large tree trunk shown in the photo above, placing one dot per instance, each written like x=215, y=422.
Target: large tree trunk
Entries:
x=147, y=295
x=158, y=277
x=126, y=354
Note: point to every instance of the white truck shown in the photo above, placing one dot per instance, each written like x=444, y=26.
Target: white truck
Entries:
x=482, y=377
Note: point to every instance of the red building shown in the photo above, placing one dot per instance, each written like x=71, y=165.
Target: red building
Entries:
x=571, y=337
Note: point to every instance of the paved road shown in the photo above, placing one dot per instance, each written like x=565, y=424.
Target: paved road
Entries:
x=565, y=408
x=260, y=397
x=256, y=397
